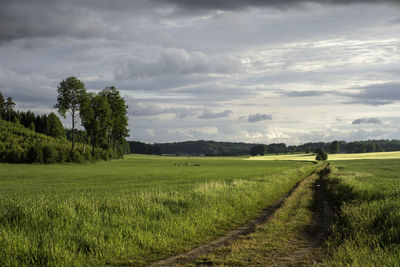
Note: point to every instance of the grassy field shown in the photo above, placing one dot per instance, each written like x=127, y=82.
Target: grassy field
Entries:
x=366, y=196
x=331, y=157
x=131, y=211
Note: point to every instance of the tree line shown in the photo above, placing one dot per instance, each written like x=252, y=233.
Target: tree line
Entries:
x=212, y=148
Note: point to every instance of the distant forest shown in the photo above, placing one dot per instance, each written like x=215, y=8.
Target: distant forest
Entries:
x=212, y=148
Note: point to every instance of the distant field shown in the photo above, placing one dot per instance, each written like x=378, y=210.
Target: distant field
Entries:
x=367, y=197
x=132, y=211
x=331, y=157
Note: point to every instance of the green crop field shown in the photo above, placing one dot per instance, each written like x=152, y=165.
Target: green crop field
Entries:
x=366, y=196
x=131, y=211
x=331, y=157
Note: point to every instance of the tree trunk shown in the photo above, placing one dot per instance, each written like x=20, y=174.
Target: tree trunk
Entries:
x=73, y=129
x=93, y=145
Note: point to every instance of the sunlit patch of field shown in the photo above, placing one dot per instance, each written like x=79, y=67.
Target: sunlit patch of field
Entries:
x=331, y=157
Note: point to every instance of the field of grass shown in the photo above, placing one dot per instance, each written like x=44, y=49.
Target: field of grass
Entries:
x=331, y=157
x=131, y=211
x=366, y=196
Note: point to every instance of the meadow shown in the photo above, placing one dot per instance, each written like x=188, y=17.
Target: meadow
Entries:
x=366, y=197
x=131, y=211
x=331, y=157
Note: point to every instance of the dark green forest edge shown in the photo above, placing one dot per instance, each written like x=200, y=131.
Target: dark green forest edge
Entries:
x=29, y=138
x=212, y=148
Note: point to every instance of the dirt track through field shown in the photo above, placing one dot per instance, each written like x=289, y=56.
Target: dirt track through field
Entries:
x=308, y=248
x=312, y=235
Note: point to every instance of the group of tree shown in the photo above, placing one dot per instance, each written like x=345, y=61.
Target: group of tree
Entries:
x=103, y=115
x=19, y=144
x=45, y=124
x=332, y=147
x=143, y=148
x=206, y=148
x=212, y=148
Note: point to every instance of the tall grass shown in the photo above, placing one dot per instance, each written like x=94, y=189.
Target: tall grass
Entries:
x=132, y=211
x=367, y=199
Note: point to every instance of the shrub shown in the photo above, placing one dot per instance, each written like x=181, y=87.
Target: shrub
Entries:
x=35, y=154
x=321, y=155
x=50, y=154
x=75, y=156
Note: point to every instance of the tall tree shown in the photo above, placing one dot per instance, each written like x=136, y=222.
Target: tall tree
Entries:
x=2, y=106
x=119, y=123
x=70, y=94
x=10, y=104
x=96, y=118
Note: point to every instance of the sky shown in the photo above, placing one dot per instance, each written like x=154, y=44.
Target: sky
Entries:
x=259, y=71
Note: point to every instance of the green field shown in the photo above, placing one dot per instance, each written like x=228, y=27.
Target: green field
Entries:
x=366, y=196
x=331, y=157
x=131, y=211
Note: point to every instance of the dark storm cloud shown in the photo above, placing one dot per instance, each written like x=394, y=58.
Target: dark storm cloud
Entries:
x=105, y=19
x=376, y=94
x=367, y=121
x=259, y=117
x=209, y=114
x=76, y=19
x=239, y=4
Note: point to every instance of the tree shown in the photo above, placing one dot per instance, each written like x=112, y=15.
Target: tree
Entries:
x=118, y=130
x=96, y=118
x=2, y=106
x=10, y=104
x=70, y=94
x=257, y=150
x=321, y=155
x=54, y=126
x=334, y=147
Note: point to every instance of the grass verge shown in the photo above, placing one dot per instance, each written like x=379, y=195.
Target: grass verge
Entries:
x=366, y=198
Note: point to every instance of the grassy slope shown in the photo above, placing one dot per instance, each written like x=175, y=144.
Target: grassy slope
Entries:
x=331, y=157
x=132, y=211
x=367, y=232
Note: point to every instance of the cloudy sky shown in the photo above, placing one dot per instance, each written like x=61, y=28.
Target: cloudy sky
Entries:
x=227, y=70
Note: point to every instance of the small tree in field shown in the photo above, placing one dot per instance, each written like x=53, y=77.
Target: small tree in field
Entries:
x=321, y=155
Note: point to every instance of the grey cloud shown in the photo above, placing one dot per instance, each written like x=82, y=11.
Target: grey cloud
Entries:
x=238, y=4
x=376, y=94
x=367, y=121
x=137, y=109
x=208, y=114
x=305, y=93
x=177, y=62
x=259, y=117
